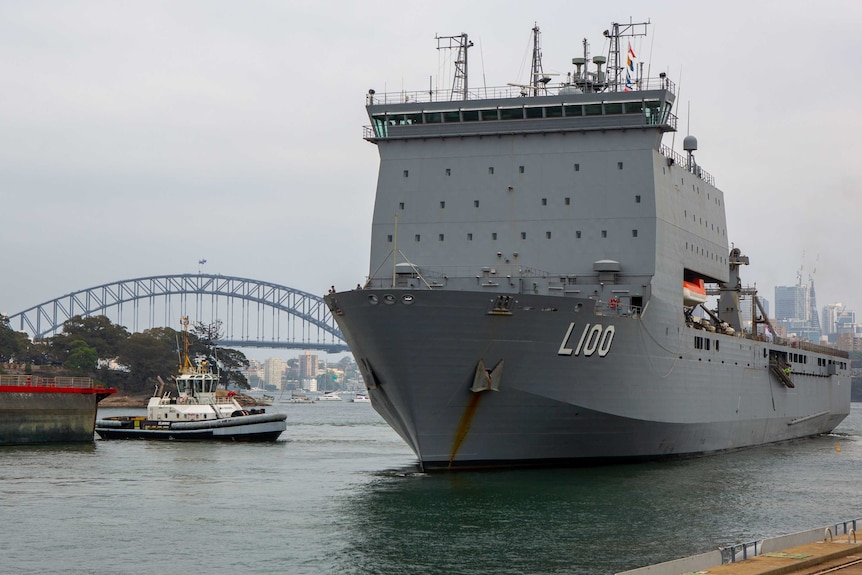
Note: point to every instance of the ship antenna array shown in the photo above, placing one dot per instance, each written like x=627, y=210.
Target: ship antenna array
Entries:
x=617, y=31
x=460, y=44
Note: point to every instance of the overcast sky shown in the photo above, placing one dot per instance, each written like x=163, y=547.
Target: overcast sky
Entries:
x=139, y=137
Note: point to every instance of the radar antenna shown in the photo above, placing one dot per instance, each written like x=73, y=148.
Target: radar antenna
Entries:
x=459, y=43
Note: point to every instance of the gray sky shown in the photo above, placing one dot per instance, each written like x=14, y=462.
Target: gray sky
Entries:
x=139, y=137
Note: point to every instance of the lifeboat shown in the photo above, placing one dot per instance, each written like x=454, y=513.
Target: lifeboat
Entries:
x=693, y=293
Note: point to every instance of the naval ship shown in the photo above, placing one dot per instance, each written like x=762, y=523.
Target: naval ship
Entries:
x=551, y=283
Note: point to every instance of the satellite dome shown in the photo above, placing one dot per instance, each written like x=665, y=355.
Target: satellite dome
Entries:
x=689, y=144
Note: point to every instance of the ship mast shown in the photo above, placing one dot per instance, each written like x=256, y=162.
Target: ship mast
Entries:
x=616, y=32
x=538, y=79
x=459, y=43
x=186, y=365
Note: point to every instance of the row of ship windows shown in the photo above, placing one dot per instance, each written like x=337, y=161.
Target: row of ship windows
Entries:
x=651, y=110
x=548, y=235
x=706, y=253
x=695, y=219
x=544, y=201
x=521, y=170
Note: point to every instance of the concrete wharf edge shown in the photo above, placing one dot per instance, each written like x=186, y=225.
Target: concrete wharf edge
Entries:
x=792, y=560
x=808, y=551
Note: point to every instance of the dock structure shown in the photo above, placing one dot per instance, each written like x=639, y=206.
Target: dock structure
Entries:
x=830, y=549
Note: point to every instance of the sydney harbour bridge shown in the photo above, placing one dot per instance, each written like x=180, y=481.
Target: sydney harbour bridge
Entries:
x=252, y=313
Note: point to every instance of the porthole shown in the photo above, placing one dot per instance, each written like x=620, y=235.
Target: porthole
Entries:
x=407, y=299
x=389, y=299
x=372, y=299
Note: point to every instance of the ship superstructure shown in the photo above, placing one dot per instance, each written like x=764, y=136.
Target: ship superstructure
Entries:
x=540, y=265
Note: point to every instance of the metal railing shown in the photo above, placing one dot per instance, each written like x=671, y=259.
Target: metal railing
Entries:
x=499, y=92
x=38, y=381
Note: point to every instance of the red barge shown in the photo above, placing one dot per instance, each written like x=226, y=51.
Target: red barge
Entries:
x=37, y=409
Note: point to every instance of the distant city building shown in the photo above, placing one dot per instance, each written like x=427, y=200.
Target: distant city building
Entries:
x=830, y=317
x=796, y=310
x=274, y=371
x=791, y=302
x=308, y=365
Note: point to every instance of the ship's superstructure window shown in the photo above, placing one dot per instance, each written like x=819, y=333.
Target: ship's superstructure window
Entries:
x=406, y=173
x=448, y=171
x=417, y=237
x=637, y=199
x=442, y=205
x=577, y=167
x=568, y=201
x=651, y=113
x=634, y=233
x=548, y=235
x=613, y=108
x=512, y=113
x=491, y=170
x=389, y=238
x=619, y=165
x=604, y=233
x=469, y=237
x=440, y=237
x=544, y=201
x=523, y=235
x=493, y=235
x=578, y=234
x=475, y=203
x=520, y=169
x=400, y=205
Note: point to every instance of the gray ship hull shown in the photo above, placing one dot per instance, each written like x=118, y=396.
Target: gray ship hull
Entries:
x=643, y=392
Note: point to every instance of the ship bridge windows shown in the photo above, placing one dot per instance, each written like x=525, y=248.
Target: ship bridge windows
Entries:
x=592, y=109
x=470, y=115
x=451, y=116
x=511, y=113
x=654, y=112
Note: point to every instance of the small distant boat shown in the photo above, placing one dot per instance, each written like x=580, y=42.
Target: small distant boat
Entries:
x=200, y=411
x=329, y=396
x=296, y=399
x=361, y=398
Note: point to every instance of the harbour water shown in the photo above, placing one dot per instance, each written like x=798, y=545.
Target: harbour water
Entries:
x=339, y=493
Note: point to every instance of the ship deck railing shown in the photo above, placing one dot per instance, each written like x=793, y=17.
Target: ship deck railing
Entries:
x=39, y=381
x=499, y=93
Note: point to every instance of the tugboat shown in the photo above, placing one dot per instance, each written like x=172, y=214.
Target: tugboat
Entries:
x=199, y=411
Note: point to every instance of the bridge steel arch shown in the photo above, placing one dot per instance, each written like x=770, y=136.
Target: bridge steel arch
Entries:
x=299, y=320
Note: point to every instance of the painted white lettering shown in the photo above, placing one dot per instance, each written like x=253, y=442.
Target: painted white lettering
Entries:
x=581, y=341
x=592, y=340
x=563, y=349
x=607, y=340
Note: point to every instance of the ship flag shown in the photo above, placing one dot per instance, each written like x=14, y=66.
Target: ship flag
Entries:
x=630, y=67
